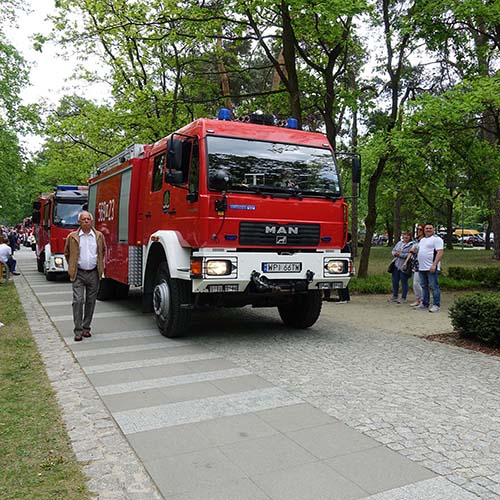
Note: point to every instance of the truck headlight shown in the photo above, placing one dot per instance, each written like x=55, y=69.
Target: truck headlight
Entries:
x=59, y=262
x=335, y=266
x=218, y=267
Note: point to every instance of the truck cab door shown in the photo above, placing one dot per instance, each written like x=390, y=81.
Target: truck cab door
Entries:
x=153, y=215
x=182, y=181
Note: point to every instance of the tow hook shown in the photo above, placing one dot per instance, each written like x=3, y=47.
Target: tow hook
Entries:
x=260, y=281
x=309, y=276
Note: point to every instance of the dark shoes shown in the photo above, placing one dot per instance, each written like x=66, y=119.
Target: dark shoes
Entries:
x=15, y=273
x=79, y=336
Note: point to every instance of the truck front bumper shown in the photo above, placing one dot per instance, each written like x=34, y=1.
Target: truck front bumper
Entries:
x=221, y=271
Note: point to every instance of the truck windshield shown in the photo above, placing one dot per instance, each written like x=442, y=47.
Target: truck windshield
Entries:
x=263, y=167
x=66, y=214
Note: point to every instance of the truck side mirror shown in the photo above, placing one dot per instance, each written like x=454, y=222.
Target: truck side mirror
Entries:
x=35, y=217
x=356, y=169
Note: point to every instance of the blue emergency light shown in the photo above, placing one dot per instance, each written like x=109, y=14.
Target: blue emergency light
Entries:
x=224, y=114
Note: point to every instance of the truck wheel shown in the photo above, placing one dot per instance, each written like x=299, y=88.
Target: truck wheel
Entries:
x=303, y=311
x=106, y=289
x=50, y=276
x=39, y=263
x=171, y=301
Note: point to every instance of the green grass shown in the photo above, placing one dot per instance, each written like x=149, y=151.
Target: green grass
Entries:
x=379, y=280
x=36, y=459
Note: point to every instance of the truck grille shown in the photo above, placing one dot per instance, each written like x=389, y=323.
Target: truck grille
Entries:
x=285, y=235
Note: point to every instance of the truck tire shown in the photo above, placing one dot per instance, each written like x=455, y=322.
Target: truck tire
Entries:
x=50, y=276
x=106, y=289
x=171, y=301
x=303, y=311
x=39, y=263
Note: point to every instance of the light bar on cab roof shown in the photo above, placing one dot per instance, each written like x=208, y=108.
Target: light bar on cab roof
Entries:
x=258, y=118
x=70, y=188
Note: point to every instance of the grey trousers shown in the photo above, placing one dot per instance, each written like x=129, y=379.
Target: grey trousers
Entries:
x=85, y=288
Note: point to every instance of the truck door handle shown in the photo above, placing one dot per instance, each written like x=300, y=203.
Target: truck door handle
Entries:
x=172, y=212
x=147, y=215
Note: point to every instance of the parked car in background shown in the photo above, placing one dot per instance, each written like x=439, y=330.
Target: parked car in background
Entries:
x=454, y=237
x=475, y=240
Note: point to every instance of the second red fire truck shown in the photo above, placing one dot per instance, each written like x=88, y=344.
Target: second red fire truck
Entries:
x=55, y=215
x=224, y=213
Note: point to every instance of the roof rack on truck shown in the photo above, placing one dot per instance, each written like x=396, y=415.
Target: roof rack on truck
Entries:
x=133, y=151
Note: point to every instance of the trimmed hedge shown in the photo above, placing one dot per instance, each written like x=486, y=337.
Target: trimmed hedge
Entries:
x=477, y=315
x=488, y=277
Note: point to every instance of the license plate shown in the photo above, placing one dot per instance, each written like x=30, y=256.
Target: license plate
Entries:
x=281, y=267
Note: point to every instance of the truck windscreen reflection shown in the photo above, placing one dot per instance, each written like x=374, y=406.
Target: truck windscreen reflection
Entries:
x=261, y=167
x=66, y=214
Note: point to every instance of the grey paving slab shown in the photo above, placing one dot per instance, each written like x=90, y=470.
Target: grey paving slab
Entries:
x=266, y=454
x=98, y=315
x=332, y=440
x=241, y=384
x=312, y=481
x=144, y=363
x=187, y=367
x=116, y=377
x=98, y=342
x=228, y=430
x=299, y=416
x=241, y=489
x=169, y=442
x=136, y=321
x=188, y=392
x=132, y=400
x=378, y=469
x=191, y=471
x=172, y=381
x=92, y=350
x=138, y=353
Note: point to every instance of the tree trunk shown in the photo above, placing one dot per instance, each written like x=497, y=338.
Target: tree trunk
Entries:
x=397, y=217
x=449, y=224
x=371, y=217
x=290, y=59
x=354, y=188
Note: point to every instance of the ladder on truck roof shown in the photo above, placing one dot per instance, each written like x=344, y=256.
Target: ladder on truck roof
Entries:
x=133, y=151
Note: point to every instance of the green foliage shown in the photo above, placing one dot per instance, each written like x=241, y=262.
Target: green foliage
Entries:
x=477, y=315
x=488, y=277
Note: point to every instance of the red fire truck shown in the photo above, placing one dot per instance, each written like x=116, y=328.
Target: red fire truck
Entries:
x=55, y=215
x=224, y=213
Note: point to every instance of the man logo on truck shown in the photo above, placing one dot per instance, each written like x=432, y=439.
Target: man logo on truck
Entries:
x=282, y=230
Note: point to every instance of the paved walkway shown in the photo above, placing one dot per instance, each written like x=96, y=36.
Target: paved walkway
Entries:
x=245, y=408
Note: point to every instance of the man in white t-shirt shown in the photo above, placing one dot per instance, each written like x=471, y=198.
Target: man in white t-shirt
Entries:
x=430, y=253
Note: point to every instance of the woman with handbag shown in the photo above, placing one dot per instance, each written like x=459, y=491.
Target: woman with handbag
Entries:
x=400, y=252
